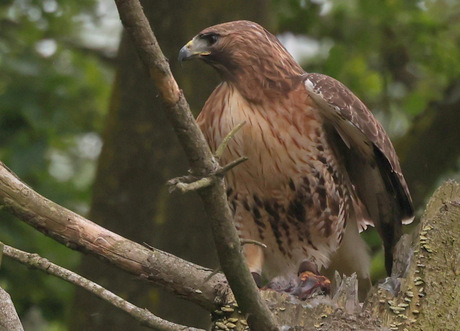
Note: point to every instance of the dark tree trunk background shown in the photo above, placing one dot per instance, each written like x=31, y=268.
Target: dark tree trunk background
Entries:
x=432, y=145
x=140, y=154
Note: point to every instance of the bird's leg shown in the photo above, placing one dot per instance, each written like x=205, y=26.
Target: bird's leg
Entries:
x=305, y=285
x=310, y=281
x=254, y=259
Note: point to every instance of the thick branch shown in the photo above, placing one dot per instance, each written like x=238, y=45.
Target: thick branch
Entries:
x=143, y=316
x=202, y=163
x=183, y=278
x=9, y=319
x=424, y=292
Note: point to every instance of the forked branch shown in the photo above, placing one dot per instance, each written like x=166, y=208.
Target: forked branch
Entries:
x=192, y=183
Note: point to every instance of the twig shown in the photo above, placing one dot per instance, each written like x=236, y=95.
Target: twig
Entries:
x=228, y=137
x=178, y=276
x=222, y=171
x=252, y=242
x=191, y=183
x=193, y=186
x=143, y=316
x=202, y=163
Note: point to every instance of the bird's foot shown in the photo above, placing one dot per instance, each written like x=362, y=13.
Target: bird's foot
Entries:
x=257, y=279
x=310, y=284
x=305, y=286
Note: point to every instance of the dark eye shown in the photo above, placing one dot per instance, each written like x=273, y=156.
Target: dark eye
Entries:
x=210, y=38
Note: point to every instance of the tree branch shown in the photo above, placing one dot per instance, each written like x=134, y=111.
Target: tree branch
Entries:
x=202, y=163
x=143, y=316
x=178, y=276
x=9, y=319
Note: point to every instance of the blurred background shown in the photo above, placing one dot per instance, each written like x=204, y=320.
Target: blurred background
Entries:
x=81, y=123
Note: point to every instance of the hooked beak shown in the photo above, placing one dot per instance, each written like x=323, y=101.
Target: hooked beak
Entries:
x=193, y=49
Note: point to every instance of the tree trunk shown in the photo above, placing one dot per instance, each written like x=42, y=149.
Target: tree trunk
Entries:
x=431, y=147
x=140, y=154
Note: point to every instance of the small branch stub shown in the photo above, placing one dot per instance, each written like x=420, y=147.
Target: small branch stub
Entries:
x=192, y=183
x=228, y=137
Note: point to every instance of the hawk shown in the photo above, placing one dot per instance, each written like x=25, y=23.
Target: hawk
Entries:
x=320, y=167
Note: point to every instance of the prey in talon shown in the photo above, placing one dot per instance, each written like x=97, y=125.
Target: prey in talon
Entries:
x=320, y=168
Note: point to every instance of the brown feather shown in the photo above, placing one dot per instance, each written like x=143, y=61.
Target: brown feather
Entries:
x=316, y=155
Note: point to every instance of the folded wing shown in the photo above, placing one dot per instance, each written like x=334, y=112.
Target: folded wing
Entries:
x=382, y=197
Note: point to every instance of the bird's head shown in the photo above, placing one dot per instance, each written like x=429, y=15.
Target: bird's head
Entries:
x=241, y=50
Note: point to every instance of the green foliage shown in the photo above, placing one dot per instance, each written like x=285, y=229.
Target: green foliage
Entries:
x=52, y=101
x=396, y=55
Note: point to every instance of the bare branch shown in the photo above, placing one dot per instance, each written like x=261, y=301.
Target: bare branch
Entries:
x=193, y=186
x=228, y=137
x=143, y=316
x=202, y=163
x=9, y=319
x=231, y=165
x=253, y=242
x=191, y=183
x=178, y=276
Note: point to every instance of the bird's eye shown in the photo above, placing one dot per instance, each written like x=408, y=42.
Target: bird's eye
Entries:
x=210, y=38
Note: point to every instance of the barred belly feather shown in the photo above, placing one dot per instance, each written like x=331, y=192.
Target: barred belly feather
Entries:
x=291, y=193
x=318, y=160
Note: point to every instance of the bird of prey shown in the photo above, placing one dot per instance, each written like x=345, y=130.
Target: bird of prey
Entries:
x=320, y=167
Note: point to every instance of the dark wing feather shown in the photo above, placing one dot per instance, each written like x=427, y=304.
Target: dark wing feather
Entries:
x=368, y=156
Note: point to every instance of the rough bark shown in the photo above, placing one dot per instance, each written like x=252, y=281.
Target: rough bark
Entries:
x=9, y=320
x=428, y=260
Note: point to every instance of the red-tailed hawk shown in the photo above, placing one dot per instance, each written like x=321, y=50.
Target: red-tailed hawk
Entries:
x=318, y=164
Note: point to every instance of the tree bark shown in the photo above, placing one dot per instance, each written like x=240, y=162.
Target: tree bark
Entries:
x=140, y=154
x=9, y=319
